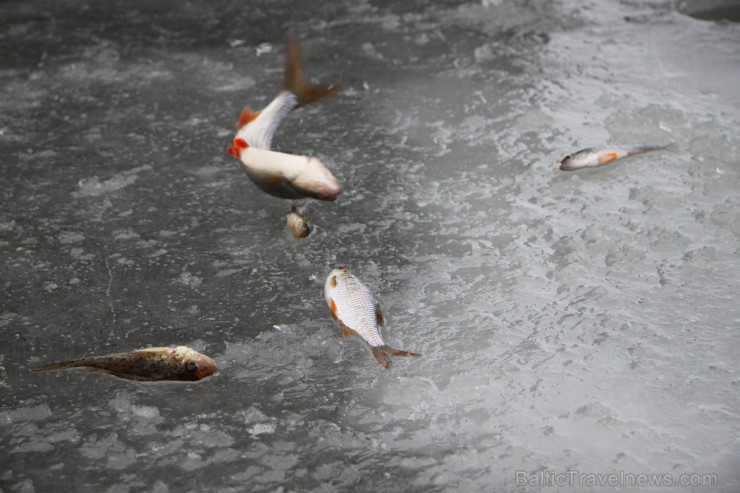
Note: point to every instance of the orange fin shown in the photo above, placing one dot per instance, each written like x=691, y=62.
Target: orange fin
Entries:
x=608, y=158
x=347, y=331
x=333, y=307
x=246, y=116
x=294, y=81
x=379, y=315
x=383, y=354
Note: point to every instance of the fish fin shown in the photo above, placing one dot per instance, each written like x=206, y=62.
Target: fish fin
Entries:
x=347, y=331
x=246, y=116
x=333, y=308
x=607, y=157
x=294, y=82
x=383, y=353
x=672, y=147
x=379, y=315
x=129, y=376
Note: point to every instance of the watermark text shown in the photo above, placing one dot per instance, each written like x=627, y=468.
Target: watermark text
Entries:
x=614, y=479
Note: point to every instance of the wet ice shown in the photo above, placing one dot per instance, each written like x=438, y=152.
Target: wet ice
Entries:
x=582, y=321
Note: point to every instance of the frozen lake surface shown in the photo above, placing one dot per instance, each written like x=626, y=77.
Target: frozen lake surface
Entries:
x=581, y=322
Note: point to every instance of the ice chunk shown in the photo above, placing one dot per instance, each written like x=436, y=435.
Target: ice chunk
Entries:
x=92, y=187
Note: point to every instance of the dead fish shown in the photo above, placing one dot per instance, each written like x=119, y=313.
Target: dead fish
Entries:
x=354, y=307
x=150, y=364
x=283, y=174
x=593, y=157
x=298, y=224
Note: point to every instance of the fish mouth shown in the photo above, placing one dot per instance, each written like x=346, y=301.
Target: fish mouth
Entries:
x=565, y=166
x=328, y=193
x=318, y=182
x=206, y=369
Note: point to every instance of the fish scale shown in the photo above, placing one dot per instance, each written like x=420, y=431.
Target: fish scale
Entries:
x=357, y=309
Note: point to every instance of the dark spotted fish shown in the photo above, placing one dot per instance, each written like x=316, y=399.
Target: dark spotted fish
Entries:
x=593, y=157
x=354, y=307
x=281, y=174
x=150, y=364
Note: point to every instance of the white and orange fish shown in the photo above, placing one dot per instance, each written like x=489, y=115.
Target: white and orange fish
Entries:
x=354, y=307
x=593, y=157
x=283, y=175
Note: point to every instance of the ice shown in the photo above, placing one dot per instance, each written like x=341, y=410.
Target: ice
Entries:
x=190, y=280
x=91, y=187
x=21, y=414
x=579, y=321
x=66, y=237
x=261, y=429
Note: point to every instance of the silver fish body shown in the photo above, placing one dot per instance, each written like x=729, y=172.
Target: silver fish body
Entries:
x=289, y=176
x=593, y=157
x=355, y=308
x=258, y=132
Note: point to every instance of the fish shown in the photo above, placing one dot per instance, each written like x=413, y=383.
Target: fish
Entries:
x=281, y=174
x=358, y=313
x=594, y=157
x=298, y=224
x=150, y=364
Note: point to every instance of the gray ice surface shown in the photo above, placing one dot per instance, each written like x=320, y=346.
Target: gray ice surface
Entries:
x=580, y=322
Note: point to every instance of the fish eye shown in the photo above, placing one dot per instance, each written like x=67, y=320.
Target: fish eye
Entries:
x=567, y=158
x=191, y=366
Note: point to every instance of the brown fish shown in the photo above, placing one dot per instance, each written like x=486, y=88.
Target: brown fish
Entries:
x=150, y=364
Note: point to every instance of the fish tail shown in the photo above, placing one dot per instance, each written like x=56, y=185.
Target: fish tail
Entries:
x=62, y=365
x=672, y=147
x=640, y=149
x=383, y=354
x=294, y=82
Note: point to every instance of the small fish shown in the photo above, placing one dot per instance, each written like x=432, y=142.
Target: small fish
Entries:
x=354, y=307
x=149, y=364
x=593, y=157
x=282, y=174
x=298, y=224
